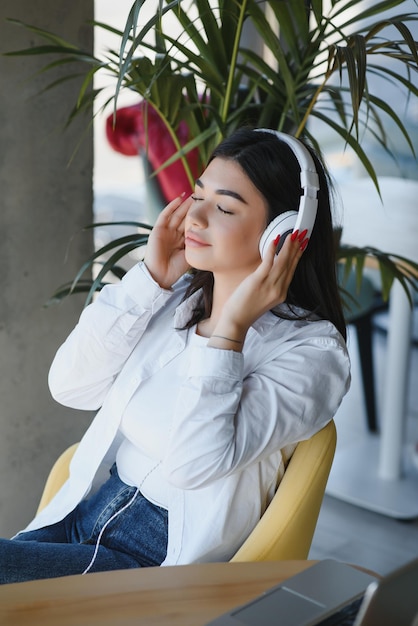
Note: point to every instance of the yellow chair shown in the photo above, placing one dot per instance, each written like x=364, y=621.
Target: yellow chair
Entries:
x=286, y=529
x=57, y=476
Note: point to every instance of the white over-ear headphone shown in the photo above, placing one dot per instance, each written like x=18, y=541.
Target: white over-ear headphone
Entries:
x=304, y=218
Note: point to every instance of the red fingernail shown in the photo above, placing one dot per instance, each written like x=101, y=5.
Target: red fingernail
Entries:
x=303, y=234
x=276, y=241
x=294, y=235
x=304, y=244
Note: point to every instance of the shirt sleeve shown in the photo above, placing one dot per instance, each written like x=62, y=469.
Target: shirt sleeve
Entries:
x=86, y=365
x=227, y=419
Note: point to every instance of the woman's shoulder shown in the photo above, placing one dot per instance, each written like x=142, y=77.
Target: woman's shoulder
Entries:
x=289, y=322
x=299, y=344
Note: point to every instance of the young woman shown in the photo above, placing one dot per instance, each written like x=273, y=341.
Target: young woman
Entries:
x=204, y=380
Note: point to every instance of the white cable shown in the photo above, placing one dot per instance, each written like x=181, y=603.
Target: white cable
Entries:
x=127, y=505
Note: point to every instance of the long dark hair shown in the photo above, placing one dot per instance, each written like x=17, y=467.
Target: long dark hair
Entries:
x=273, y=168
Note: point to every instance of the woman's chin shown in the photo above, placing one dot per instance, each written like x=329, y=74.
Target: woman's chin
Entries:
x=194, y=261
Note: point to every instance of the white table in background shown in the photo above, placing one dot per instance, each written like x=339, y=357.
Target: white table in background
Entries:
x=372, y=473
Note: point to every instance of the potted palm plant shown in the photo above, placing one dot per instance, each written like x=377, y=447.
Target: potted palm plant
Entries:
x=315, y=64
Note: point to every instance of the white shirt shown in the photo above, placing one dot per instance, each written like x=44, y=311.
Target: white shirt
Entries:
x=236, y=417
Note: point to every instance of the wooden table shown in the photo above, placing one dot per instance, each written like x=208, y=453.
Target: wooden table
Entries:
x=184, y=595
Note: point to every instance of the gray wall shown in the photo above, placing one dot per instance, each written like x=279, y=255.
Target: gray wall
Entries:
x=44, y=201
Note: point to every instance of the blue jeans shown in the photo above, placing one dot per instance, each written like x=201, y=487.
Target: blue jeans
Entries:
x=135, y=537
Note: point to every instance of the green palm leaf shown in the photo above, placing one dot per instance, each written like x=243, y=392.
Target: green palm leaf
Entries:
x=320, y=65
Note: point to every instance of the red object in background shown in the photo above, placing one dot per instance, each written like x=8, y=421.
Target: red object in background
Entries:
x=128, y=135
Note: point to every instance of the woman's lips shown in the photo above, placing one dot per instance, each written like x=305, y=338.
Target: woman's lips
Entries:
x=193, y=241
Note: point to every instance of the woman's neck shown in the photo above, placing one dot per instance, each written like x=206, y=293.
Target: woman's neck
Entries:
x=222, y=289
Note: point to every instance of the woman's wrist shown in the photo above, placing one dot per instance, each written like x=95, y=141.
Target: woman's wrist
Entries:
x=228, y=337
x=225, y=343
x=154, y=277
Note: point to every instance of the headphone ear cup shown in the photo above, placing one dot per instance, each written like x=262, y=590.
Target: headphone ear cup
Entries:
x=282, y=225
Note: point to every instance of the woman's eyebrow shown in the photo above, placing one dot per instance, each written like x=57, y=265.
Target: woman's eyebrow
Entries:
x=224, y=192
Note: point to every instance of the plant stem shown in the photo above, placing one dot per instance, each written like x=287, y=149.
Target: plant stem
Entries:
x=312, y=104
x=178, y=146
x=235, y=50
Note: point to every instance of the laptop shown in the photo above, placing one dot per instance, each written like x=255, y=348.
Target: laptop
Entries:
x=332, y=593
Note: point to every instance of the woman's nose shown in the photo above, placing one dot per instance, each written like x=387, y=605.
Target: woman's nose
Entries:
x=196, y=215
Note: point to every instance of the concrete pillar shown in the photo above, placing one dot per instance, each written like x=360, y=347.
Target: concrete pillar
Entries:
x=44, y=201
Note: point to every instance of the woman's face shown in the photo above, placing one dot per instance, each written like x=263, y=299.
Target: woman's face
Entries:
x=225, y=222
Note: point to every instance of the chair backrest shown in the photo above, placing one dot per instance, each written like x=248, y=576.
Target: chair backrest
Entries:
x=286, y=529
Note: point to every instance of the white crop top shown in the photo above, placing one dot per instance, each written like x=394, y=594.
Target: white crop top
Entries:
x=145, y=425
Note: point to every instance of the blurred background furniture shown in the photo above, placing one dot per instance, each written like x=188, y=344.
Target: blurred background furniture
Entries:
x=373, y=473
x=360, y=306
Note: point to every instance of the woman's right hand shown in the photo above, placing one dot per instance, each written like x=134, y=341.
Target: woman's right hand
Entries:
x=164, y=255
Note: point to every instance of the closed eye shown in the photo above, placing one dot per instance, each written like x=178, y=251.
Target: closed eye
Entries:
x=223, y=210
x=196, y=199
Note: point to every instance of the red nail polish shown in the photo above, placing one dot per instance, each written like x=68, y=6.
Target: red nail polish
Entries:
x=304, y=244
x=276, y=241
x=303, y=234
x=294, y=235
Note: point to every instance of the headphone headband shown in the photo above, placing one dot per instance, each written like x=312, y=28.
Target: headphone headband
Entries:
x=309, y=180
x=304, y=218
